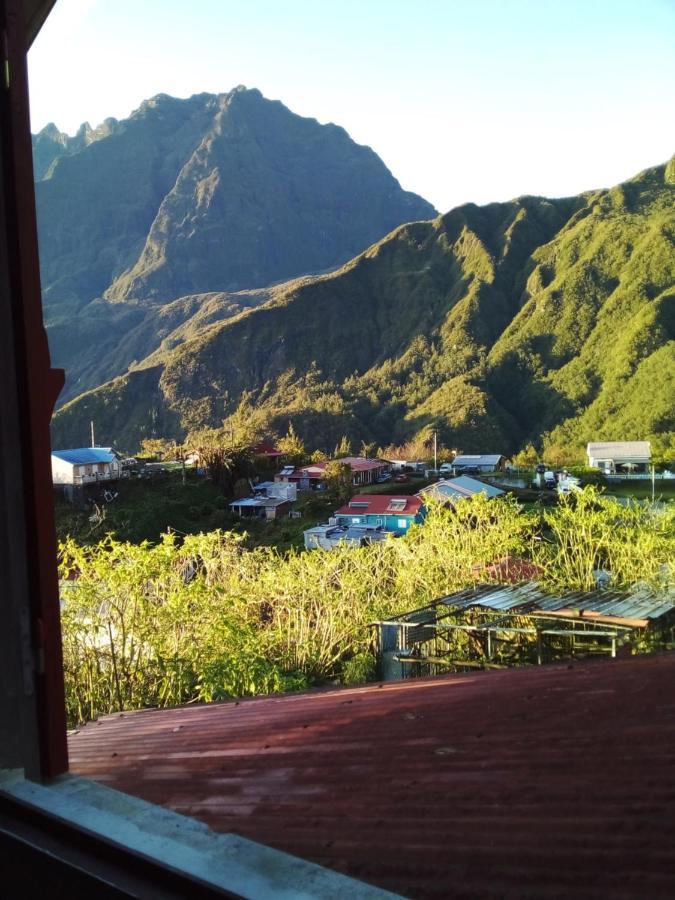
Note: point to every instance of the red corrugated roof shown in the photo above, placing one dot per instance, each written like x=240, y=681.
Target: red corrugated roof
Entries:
x=379, y=504
x=552, y=782
x=361, y=464
x=264, y=449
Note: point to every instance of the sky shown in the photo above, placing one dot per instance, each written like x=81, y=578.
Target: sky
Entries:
x=464, y=100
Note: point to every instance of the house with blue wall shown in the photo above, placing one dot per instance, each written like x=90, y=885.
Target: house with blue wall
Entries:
x=392, y=513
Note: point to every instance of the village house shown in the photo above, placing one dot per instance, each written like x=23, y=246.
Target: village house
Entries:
x=614, y=457
x=450, y=490
x=261, y=507
x=407, y=465
x=306, y=478
x=268, y=451
x=85, y=465
x=393, y=514
x=479, y=464
x=270, y=500
x=364, y=471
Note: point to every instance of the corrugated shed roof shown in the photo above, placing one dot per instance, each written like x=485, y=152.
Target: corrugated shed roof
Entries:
x=86, y=455
x=611, y=449
x=551, y=782
x=639, y=605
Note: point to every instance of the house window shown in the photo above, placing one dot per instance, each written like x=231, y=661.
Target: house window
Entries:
x=403, y=523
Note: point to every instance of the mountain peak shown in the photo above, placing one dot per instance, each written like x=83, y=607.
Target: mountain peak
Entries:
x=217, y=192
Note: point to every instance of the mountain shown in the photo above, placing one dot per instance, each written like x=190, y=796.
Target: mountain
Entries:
x=495, y=325
x=217, y=193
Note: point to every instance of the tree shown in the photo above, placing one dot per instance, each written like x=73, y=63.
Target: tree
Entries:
x=225, y=462
x=344, y=448
x=155, y=448
x=338, y=478
x=527, y=458
x=292, y=446
x=248, y=424
x=368, y=449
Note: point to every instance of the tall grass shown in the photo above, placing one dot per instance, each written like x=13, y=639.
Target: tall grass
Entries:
x=205, y=619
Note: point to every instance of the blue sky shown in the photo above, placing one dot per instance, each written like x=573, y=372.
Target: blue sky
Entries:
x=464, y=100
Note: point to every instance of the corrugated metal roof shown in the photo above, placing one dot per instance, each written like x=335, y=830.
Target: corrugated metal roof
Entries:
x=640, y=604
x=480, y=459
x=86, y=455
x=459, y=488
x=552, y=782
x=362, y=464
x=611, y=449
x=379, y=504
x=260, y=501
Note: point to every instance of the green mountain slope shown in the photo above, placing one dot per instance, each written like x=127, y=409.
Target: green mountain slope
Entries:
x=492, y=324
x=218, y=193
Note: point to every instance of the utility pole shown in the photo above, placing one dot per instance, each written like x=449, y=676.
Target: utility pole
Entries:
x=435, y=451
x=93, y=442
x=653, y=480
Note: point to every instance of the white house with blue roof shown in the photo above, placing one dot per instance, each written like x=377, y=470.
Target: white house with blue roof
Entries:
x=85, y=465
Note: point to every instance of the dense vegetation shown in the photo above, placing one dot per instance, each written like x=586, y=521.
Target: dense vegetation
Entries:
x=207, y=619
x=545, y=322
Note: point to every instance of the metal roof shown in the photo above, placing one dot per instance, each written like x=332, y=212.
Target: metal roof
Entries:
x=260, y=501
x=459, y=488
x=480, y=459
x=550, y=782
x=641, y=449
x=380, y=504
x=86, y=455
x=638, y=605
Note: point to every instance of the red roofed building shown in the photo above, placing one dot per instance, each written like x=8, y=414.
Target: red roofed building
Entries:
x=364, y=471
x=267, y=450
x=392, y=513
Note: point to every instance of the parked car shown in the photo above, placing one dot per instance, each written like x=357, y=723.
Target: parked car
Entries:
x=401, y=477
x=386, y=476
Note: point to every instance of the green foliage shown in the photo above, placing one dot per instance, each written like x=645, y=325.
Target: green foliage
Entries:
x=207, y=619
x=360, y=668
x=590, y=532
x=338, y=481
x=292, y=446
x=343, y=448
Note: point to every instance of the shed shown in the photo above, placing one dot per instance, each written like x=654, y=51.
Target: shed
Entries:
x=501, y=619
x=261, y=507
